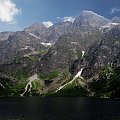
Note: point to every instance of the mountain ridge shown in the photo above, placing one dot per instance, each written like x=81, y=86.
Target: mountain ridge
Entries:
x=58, y=53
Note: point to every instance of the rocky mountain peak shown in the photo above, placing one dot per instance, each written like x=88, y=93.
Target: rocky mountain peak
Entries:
x=5, y=35
x=90, y=13
x=89, y=18
x=35, y=27
x=116, y=19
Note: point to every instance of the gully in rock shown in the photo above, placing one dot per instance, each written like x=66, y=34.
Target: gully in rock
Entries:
x=75, y=77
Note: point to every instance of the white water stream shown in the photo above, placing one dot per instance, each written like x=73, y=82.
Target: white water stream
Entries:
x=76, y=76
x=83, y=53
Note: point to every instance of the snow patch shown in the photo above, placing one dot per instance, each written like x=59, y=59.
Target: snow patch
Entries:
x=74, y=43
x=34, y=36
x=25, y=48
x=109, y=25
x=48, y=24
x=69, y=19
x=46, y=44
x=114, y=23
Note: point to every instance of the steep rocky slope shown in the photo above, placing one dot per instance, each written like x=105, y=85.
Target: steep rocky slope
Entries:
x=18, y=45
x=89, y=18
x=80, y=58
x=5, y=35
x=67, y=49
x=116, y=19
x=103, y=53
x=101, y=65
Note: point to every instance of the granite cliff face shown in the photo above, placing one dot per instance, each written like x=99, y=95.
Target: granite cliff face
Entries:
x=101, y=65
x=4, y=35
x=102, y=53
x=67, y=49
x=74, y=58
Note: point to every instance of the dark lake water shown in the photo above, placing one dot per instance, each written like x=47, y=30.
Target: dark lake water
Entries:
x=36, y=108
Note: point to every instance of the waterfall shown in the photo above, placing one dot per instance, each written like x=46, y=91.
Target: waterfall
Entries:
x=76, y=76
x=83, y=53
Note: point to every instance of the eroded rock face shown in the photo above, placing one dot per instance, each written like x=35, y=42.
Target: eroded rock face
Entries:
x=101, y=67
x=66, y=50
x=5, y=35
x=100, y=54
x=33, y=40
x=19, y=45
x=78, y=36
x=49, y=34
x=91, y=43
x=38, y=35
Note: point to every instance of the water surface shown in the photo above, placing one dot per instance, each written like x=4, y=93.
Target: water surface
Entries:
x=70, y=108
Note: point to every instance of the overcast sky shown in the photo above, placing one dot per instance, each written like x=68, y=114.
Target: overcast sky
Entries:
x=18, y=14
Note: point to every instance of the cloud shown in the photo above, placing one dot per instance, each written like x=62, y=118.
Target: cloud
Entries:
x=48, y=24
x=58, y=18
x=114, y=10
x=70, y=19
x=8, y=11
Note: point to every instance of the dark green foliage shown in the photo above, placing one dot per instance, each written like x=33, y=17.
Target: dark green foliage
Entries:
x=22, y=75
x=34, y=58
x=73, y=89
x=115, y=83
x=72, y=92
x=42, y=52
x=108, y=83
x=51, y=75
x=12, y=89
x=7, y=89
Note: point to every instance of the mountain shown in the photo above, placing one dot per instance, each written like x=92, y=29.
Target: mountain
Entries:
x=102, y=53
x=66, y=50
x=59, y=29
x=5, y=35
x=38, y=30
x=18, y=45
x=101, y=64
x=116, y=19
x=51, y=33
x=31, y=40
x=75, y=39
x=89, y=18
x=78, y=58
